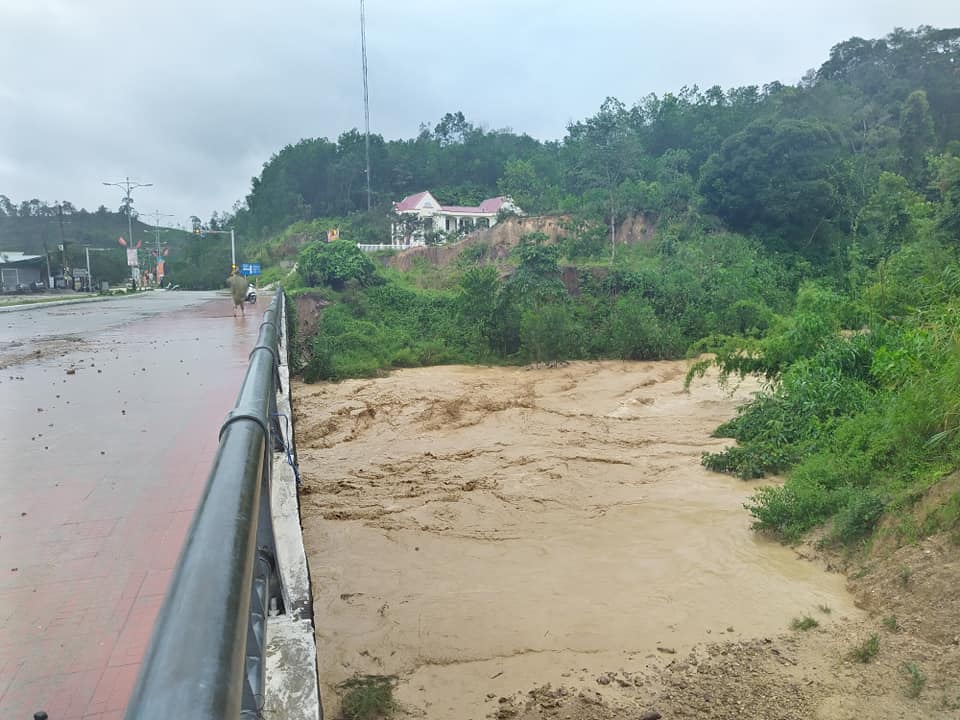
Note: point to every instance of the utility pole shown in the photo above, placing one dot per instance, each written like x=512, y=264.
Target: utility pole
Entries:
x=46, y=254
x=156, y=215
x=87, y=249
x=366, y=99
x=129, y=186
x=60, y=220
x=62, y=247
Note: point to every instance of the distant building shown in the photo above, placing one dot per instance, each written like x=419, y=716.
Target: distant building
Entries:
x=19, y=269
x=421, y=214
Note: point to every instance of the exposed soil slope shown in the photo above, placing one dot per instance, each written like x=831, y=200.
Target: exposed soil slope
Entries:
x=505, y=235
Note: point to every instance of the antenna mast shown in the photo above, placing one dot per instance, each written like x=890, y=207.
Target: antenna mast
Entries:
x=366, y=99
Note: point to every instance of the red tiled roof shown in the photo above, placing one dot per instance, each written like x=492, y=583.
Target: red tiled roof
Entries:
x=409, y=202
x=490, y=205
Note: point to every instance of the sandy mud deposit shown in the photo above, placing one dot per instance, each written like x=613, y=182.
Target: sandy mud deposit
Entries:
x=480, y=532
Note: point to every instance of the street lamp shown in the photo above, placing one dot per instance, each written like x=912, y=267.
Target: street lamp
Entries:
x=129, y=186
x=233, y=242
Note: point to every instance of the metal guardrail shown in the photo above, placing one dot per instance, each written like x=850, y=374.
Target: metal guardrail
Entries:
x=206, y=658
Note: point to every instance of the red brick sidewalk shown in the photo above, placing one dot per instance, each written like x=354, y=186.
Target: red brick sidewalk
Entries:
x=102, y=470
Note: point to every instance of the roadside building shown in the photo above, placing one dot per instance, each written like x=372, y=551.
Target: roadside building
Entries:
x=420, y=216
x=19, y=271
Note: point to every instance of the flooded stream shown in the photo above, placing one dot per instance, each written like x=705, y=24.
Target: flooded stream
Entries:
x=479, y=531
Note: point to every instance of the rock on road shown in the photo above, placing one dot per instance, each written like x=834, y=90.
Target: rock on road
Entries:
x=109, y=415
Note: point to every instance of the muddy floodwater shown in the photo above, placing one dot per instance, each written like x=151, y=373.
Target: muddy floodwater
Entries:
x=480, y=531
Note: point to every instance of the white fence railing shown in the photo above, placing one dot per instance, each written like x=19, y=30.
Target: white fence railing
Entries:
x=375, y=248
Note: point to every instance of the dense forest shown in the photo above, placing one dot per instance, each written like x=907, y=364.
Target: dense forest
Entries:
x=807, y=234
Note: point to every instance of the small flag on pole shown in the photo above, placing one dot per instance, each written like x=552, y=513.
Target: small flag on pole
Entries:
x=122, y=241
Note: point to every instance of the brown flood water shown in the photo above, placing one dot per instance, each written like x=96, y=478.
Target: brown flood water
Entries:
x=480, y=531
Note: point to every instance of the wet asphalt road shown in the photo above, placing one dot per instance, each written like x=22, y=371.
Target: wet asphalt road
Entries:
x=109, y=415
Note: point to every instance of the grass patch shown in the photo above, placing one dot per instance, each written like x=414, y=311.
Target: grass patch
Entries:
x=867, y=650
x=905, y=575
x=368, y=697
x=916, y=680
x=804, y=623
x=825, y=609
x=891, y=624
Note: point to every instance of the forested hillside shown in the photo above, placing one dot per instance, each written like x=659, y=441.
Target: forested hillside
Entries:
x=804, y=233
x=793, y=165
x=42, y=228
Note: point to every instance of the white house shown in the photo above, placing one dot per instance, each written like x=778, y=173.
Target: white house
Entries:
x=431, y=216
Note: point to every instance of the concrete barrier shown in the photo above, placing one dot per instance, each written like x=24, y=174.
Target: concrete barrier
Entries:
x=292, y=689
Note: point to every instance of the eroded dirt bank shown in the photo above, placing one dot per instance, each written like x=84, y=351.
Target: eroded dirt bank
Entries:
x=545, y=543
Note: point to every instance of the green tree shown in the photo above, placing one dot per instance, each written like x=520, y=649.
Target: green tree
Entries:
x=333, y=264
x=604, y=151
x=776, y=177
x=548, y=333
x=635, y=331
x=476, y=302
x=892, y=217
x=948, y=182
x=521, y=183
x=917, y=136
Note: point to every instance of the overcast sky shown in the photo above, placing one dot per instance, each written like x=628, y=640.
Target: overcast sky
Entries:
x=195, y=95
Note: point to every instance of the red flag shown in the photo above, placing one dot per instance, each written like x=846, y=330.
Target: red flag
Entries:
x=139, y=243
x=122, y=241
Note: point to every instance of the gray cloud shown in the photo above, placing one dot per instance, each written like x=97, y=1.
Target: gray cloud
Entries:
x=195, y=96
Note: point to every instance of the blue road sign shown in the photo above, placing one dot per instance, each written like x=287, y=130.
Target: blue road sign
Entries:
x=249, y=268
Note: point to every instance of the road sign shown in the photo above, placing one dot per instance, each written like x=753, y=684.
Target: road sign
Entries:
x=249, y=268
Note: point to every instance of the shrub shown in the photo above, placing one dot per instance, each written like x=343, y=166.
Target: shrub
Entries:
x=790, y=510
x=637, y=334
x=858, y=515
x=867, y=650
x=368, y=697
x=804, y=623
x=548, y=333
x=916, y=680
x=333, y=264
